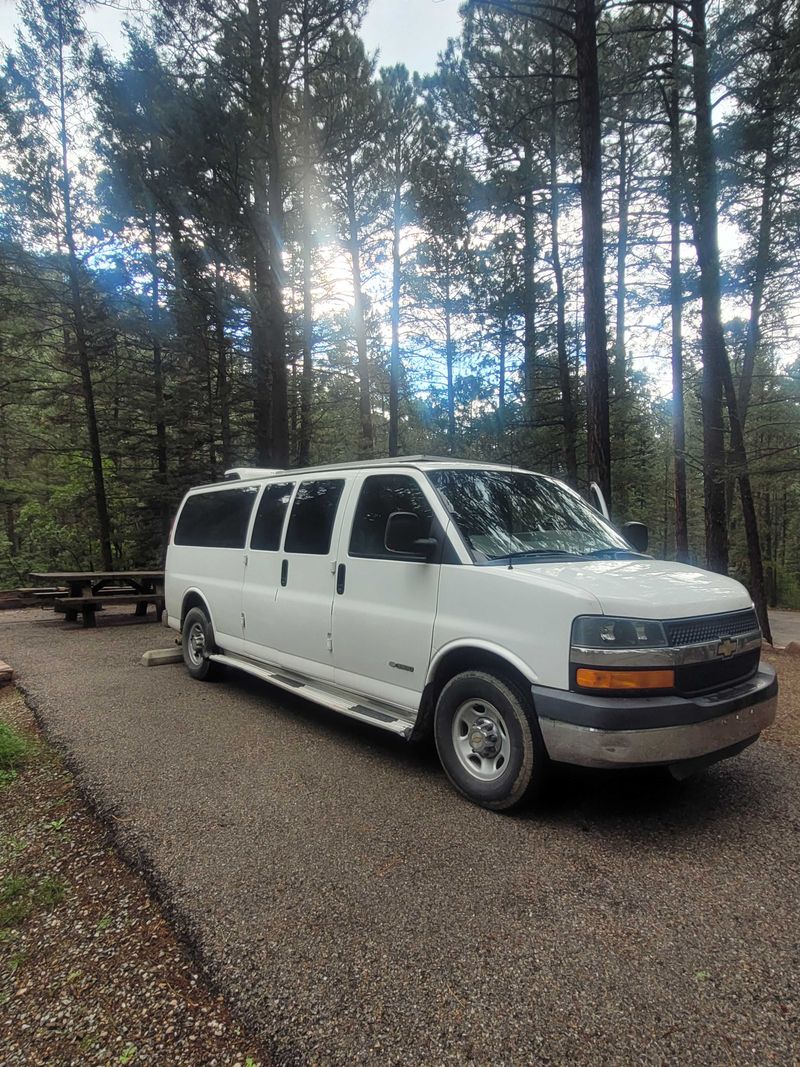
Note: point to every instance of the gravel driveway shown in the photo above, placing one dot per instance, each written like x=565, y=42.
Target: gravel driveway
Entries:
x=360, y=912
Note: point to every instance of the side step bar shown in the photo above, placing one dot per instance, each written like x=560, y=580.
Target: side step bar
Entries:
x=383, y=717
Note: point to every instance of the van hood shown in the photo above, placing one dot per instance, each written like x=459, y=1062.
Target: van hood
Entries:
x=644, y=588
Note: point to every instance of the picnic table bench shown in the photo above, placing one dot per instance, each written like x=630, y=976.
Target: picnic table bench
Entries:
x=89, y=591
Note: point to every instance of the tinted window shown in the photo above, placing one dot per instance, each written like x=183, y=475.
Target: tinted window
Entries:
x=311, y=521
x=216, y=520
x=269, y=517
x=381, y=494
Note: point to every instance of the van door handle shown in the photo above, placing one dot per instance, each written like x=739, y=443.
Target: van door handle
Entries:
x=284, y=571
x=340, y=575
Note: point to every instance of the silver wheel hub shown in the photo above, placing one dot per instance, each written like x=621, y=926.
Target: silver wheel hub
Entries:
x=481, y=740
x=196, y=644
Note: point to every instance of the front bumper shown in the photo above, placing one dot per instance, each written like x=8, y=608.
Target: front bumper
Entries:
x=635, y=732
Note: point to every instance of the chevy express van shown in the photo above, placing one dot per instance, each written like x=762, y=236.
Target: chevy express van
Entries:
x=485, y=604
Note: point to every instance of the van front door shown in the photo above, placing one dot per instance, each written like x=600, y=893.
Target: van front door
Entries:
x=385, y=603
x=306, y=578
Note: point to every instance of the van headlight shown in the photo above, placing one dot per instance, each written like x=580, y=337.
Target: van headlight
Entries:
x=610, y=655
x=600, y=631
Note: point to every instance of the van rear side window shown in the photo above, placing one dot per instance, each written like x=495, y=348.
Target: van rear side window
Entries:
x=313, y=514
x=266, y=535
x=216, y=520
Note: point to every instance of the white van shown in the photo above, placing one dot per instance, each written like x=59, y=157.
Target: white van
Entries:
x=488, y=605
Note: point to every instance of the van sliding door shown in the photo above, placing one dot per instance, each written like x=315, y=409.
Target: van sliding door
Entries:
x=307, y=575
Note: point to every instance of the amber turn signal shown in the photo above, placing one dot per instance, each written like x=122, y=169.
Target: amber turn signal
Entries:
x=588, y=678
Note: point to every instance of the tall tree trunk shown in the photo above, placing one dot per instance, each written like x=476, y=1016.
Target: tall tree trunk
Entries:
x=8, y=506
x=79, y=323
x=260, y=320
x=223, y=370
x=158, y=382
x=501, y=388
x=210, y=406
x=620, y=352
x=760, y=269
x=528, y=287
x=394, y=365
x=568, y=419
x=307, y=371
x=359, y=320
x=279, y=430
x=712, y=336
x=260, y=285
x=623, y=205
x=676, y=305
x=715, y=356
x=597, y=414
x=448, y=351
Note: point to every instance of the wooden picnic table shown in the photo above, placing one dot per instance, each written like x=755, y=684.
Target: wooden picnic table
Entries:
x=88, y=591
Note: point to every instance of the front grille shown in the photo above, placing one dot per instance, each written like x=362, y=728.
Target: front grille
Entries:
x=710, y=627
x=716, y=673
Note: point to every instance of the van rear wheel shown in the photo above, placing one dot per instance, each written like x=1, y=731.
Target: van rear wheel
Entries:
x=488, y=740
x=197, y=641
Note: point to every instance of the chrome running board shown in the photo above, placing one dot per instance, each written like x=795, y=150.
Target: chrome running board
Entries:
x=355, y=707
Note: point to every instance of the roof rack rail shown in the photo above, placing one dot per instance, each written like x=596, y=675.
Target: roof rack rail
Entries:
x=243, y=473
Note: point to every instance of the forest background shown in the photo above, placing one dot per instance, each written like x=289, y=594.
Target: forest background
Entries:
x=243, y=242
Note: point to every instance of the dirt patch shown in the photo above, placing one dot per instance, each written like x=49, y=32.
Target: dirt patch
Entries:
x=90, y=971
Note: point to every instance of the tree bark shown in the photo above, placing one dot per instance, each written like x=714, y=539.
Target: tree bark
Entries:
x=260, y=282
x=529, y=288
x=79, y=323
x=676, y=306
x=570, y=447
x=501, y=388
x=715, y=356
x=623, y=201
x=223, y=372
x=760, y=270
x=158, y=383
x=8, y=507
x=711, y=331
x=448, y=351
x=279, y=430
x=597, y=412
x=394, y=365
x=359, y=321
x=307, y=371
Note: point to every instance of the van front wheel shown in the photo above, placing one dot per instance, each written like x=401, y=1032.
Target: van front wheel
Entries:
x=488, y=740
x=197, y=640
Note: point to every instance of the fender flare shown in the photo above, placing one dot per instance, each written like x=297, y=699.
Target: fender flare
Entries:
x=193, y=591
x=485, y=646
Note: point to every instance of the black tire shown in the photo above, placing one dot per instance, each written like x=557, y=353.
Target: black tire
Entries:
x=197, y=625
x=510, y=766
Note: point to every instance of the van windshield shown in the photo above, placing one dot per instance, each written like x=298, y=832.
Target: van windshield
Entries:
x=504, y=514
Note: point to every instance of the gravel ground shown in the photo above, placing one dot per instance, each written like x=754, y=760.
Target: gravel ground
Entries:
x=785, y=626
x=90, y=971
x=359, y=912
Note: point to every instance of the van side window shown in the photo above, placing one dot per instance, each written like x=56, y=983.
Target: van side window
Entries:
x=313, y=514
x=216, y=520
x=270, y=515
x=381, y=494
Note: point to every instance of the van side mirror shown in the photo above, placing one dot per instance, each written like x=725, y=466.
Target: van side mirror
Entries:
x=404, y=536
x=637, y=536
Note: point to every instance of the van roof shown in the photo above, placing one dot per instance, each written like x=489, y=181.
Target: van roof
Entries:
x=420, y=462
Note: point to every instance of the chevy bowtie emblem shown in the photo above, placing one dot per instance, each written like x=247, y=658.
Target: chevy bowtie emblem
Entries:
x=726, y=647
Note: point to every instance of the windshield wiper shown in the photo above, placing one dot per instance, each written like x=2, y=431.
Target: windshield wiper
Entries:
x=549, y=552
x=612, y=553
